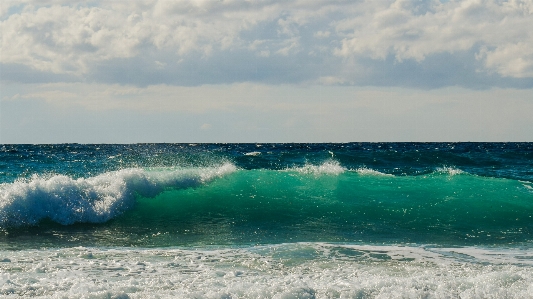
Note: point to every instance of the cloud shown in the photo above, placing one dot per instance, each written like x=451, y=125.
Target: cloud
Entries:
x=497, y=30
x=79, y=112
x=205, y=126
x=198, y=42
x=514, y=60
x=154, y=98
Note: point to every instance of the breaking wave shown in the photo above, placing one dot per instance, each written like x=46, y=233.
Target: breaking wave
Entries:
x=97, y=199
x=330, y=167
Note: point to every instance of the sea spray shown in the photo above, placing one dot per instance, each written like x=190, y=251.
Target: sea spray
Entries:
x=96, y=199
x=313, y=203
x=291, y=270
x=349, y=220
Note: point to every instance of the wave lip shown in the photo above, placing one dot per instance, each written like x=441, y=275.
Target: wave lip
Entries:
x=95, y=199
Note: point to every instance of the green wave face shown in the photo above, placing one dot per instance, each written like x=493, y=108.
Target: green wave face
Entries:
x=263, y=206
x=299, y=205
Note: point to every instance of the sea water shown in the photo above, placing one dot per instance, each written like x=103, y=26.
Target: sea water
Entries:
x=355, y=220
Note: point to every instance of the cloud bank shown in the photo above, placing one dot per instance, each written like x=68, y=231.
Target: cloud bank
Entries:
x=249, y=112
x=265, y=70
x=422, y=44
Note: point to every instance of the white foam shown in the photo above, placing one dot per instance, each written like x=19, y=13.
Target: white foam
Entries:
x=527, y=185
x=369, y=171
x=330, y=167
x=449, y=170
x=253, y=154
x=308, y=270
x=95, y=199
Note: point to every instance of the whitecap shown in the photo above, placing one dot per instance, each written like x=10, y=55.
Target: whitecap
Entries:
x=253, y=154
x=370, y=171
x=449, y=170
x=97, y=199
x=331, y=167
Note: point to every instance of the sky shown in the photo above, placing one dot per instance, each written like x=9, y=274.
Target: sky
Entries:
x=265, y=71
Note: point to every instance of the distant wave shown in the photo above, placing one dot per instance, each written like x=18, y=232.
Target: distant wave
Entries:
x=252, y=154
x=332, y=167
x=65, y=200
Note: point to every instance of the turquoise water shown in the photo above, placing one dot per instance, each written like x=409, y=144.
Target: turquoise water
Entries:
x=188, y=195
x=311, y=217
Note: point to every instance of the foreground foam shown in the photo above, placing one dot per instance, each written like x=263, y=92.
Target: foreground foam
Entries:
x=65, y=200
x=301, y=270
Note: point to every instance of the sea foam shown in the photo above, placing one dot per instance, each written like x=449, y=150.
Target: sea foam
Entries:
x=305, y=270
x=449, y=170
x=97, y=199
x=369, y=171
x=330, y=167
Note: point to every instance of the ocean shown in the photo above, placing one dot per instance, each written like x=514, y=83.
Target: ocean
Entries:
x=352, y=220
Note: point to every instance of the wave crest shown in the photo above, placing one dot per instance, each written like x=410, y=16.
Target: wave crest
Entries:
x=370, y=171
x=449, y=170
x=329, y=167
x=96, y=199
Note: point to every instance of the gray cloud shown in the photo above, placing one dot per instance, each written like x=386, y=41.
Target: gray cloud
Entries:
x=426, y=44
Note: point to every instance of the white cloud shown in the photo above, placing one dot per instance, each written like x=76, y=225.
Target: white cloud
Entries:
x=501, y=28
x=513, y=60
x=65, y=37
x=154, y=98
x=330, y=80
x=151, y=70
x=322, y=34
x=205, y=126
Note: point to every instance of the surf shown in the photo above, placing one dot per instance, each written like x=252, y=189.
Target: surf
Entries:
x=289, y=270
x=228, y=205
x=97, y=199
